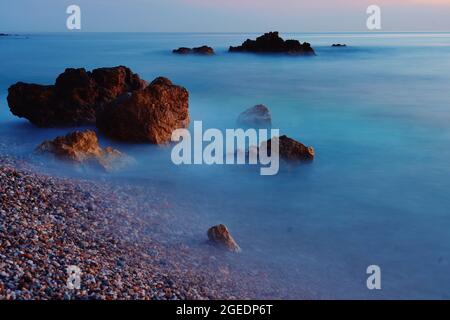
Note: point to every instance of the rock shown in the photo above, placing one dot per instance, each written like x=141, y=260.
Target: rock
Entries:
x=272, y=43
x=182, y=50
x=220, y=236
x=35, y=102
x=289, y=149
x=203, y=50
x=74, y=99
x=82, y=147
x=147, y=115
x=113, y=159
x=257, y=116
x=339, y=45
x=4, y=34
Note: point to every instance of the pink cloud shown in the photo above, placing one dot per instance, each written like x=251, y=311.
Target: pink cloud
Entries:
x=287, y=4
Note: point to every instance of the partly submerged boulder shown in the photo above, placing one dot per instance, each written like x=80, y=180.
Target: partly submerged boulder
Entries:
x=203, y=50
x=82, y=147
x=147, y=115
x=74, y=99
x=272, y=43
x=257, y=116
x=289, y=149
x=220, y=236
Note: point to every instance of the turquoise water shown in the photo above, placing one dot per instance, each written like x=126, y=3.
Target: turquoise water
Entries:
x=376, y=112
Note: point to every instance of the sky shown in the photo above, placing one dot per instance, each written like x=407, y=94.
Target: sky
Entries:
x=223, y=15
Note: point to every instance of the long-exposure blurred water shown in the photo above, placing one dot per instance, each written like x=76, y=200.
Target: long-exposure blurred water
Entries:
x=377, y=113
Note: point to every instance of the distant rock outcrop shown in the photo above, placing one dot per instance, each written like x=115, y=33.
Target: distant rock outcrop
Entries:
x=81, y=147
x=257, y=116
x=147, y=115
x=220, y=236
x=272, y=43
x=289, y=149
x=203, y=50
x=74, y=99
x=182, y=50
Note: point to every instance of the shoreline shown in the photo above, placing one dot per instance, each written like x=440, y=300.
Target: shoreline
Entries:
x=122, y=246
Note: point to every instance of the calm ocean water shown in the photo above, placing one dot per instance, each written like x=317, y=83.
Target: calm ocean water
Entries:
x=377, y=114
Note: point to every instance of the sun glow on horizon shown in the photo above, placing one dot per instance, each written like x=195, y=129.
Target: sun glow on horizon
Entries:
x=316, y=4
x=226, y=15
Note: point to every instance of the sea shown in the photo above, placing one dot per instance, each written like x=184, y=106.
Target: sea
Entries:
x=377, y=113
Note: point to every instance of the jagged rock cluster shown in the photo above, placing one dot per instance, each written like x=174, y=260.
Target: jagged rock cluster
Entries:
x=272, y=43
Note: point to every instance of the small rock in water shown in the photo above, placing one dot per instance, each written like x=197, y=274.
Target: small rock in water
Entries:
x=182, y=50
x=290, y=149
x=257, y=116
x=221, y=236
x=203, y=50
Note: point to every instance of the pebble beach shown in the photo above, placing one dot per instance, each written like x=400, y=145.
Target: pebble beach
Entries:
x=49, y=223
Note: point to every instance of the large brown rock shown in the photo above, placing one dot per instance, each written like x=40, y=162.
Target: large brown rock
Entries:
x=257, y=116
x=290, y=149
x=82, y=147
x=220, y=236
x=74, y=99
x=147, y=115
x=272, y=43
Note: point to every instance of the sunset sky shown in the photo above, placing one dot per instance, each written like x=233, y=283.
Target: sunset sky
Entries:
x=224, y=15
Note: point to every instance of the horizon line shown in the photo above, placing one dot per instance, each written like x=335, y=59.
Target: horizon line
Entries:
x=223, y=32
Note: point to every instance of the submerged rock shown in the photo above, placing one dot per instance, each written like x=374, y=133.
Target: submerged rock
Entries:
x=203, y=50
x=272, y=43
x=74, y=99
x=290, y=149
x=82, y=147
x=147, y=115
x=257, y=116
x=220, y=236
